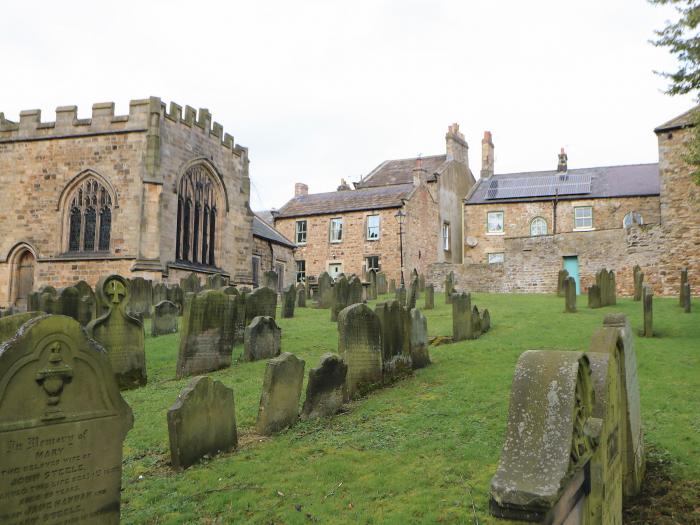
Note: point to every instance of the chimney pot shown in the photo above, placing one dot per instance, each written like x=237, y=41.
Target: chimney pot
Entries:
x=487, y=155
x=456, y=147
x=562, y=166
x=300, y=189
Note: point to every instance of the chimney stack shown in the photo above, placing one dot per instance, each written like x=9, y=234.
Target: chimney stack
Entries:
x=563, y=158
x=420, y=174
x=457, y=148
x=344, y=186
x=487, y=148
x=300, y=189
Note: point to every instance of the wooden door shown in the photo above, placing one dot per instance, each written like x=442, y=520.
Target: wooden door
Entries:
x=24, y=279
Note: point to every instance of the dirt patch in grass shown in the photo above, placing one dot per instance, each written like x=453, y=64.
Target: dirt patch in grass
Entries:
x=663, y=500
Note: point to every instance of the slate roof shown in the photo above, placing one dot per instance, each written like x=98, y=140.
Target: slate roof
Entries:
x=681, y=121
x=633, y=180
x=265, y=231
x=372, y=198
x=400, y=171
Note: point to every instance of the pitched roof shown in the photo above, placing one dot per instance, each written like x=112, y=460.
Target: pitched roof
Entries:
x=265, y=231
x=632, y=180
x=681, y=121
x=373, y=198
x=400, y=171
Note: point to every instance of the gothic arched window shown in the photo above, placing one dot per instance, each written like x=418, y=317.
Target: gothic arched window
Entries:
x=196, y=217
x=90, y=218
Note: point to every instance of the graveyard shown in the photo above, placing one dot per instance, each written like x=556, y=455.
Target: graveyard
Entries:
x=423, y=449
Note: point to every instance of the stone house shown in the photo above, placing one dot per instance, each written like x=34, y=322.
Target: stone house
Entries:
x=271, y=251
x=355, y=230
x=157, y=193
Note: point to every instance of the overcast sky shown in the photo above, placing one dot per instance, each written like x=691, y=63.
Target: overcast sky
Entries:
x=324, y=90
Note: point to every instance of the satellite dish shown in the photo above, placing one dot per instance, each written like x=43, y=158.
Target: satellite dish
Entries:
x=472, y=242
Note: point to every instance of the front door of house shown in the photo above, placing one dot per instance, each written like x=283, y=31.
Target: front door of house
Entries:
x=335, y=269
x=24, y=279
x=571, y=266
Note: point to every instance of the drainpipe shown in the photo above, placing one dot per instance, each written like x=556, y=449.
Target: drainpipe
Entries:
x=554, y=212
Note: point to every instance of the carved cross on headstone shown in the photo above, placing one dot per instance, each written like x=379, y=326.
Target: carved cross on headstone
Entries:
x=116, y=290
x=53, y=378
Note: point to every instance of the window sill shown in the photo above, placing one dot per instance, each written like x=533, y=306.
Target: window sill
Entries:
x=372, y=240
x=584, y=229
x=335, y=242
x=83, y=256
x=495, y=233
x=195, y=267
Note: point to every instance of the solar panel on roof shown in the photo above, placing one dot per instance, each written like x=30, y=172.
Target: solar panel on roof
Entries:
x=542, y=186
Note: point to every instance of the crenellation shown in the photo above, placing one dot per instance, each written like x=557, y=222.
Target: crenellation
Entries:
x=217, y=130
x=228, y=141
x=29, y=119
x=204, y=120
x=66, y=116
x=175, y=112
x=190, y=116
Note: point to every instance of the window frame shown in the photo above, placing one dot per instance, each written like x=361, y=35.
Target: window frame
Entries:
x=88, y=203
x=446, y=234
x=301, y=273
x=583, y=228
x=633, y=215
x=503, y=222
x=378, y=227
x=340, y=230
x=255, y=270
x=502, y=257
x=297, y=231
x=368, y=267
x=546, y=226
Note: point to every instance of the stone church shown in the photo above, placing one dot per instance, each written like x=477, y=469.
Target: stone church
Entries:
x=157, y=193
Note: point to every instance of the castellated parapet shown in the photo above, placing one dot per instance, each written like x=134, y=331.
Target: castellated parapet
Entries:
x=103, y=120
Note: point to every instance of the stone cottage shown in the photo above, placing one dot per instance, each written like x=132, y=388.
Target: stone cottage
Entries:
x=271, y=251
x=157, y=193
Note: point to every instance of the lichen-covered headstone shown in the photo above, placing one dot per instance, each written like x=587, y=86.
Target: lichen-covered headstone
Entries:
x=177, y=296
x=289, y=297
x=87, y=303
x=9, y=324
x=341, y=297
x=201, y=422
x=429, y=297
x=485, y=321
x=569, y=295
x=271, y=279
x=301, y=295
x=141, y=297
x=686, y=298
x=360, y=346
x=648, y=300
x=216, y=282
x=401, y=295
x=594, y=296
x=561, y=277
x=120, y=332
x=395, y=325
x=684, y=280
x=476, y=323
x=262, y=301
x=190, y=284
x=159, y=292
x=262, y=339
x=372, y=288
x=420, y=356
x=62, y=425
x=638, y=277
x=325, y=291
x=449, y=287
x=324, y=391
x=69, y=300
x=165, y=315
x=392, y=285
x=279, y=401
x=612, y=290
x=206, y=340
x=412, y=296
x=355, y=290
x=461, y=316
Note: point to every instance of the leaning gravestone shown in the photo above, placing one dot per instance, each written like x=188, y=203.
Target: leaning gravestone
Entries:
x=205, y=342
x=288, y=301
x=569, y=295
x=279, y=401
x=648, y=299
x=62, y=425
x=360, y=346
x=119, y=332
x=11, y=323
x=449, y=287
x=686, y=298
x=684, y=280
x=461, y=316
x=325, y=291
x=638, y=276
x=164, y=321
x=324, y=391
x=301, y=295
x=141, y=297
x=594, y=296
x=271, y=279
x=561, y=277
x=429, y=297
x=420, y=357
x=262, y=339
x=263, y=301
x=201, y=422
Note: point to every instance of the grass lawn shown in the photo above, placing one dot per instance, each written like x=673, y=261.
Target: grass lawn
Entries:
x=422, y=451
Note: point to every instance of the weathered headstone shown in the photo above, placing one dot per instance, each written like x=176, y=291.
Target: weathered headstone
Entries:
x=684, y=280
x=420, y=356
x=372, y=289
x=561, y=277
x=159, y=292
x=271, y=279
x=62, y=425
x=686, y=298
x=395, y=325
x=638, y=277
x=9, y=324
x=216, y=281
x=165, y=315
x=392, y=285
x=141, y=297
x=449, y=287
x=355, y=291
x=289, y=297
x=476, y=323
x=69, y=301
x=382, y=284
x=325, y=291
x=412, y=296
x=341, y=295
x=429, y=297
x=569, y=295
x=648, y=299
x=421, y=283
x=301, y=295
x=86, y=303
x=263, y=301
x=262, y=339
x=190, y=284
x=279, y=401
x=461, y=316
x=177, y=296
x=401, y=295
x=324, y=391
x=360, y=346
x=612, y=290
x=202, y=421
x=120, y=332
x=205, y=342
x=485, y=321
x=594, y=296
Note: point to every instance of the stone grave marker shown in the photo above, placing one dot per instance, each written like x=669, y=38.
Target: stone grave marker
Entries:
x=177, y=296
x=476, y=323
x=372, y=288
x=301, y=295
x=230, y=290
x=262, y=339
x=159, y=292
x=324, y=390
x=164, y=321
x=395, y=327
x=382, y=284
x=325, y=291
x=355, y=291
x=461, y=316
x=216, y=282
x=86, y=303
x=612, y=289
x=594, y=296
x=420, y=357
x=289, y=301
x=570, y=295
x=485, y=321
x=684, y=280
x=279, y=401
x=360, y=346
x=48, y=300
x=205, y=342
x=687, y=298
x=429, y=297
x=9, y=324
x=341, y=297
x=392, y=285
x=561, y=277
x=271, y=279
x=401, y=295
x=648, y=329
x=202, y=421
x=449, y=287
x=412, y=296
x=141, y=299
x=638, y=276
x=263, y=301
x=421, y=283
x=119, y=331
x=62, y=425
x=190, y=284
x=69, y=302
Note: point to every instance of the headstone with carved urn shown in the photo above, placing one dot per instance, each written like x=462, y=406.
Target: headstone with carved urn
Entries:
x=62, y=425
x=120, y=332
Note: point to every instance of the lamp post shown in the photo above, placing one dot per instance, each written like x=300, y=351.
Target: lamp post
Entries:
x=400, y=217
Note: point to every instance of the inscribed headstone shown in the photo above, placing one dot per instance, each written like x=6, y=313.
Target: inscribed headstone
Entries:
x=569, y=295
x=325, y=291
x=359, y=344
x=262, y=339
x=271, y=279
x=263, y=301
x=461, y=316
x=429, y=297
x=324, y=391
x=141, y=297
x=190, y=284
x=165, y=315
x=301, y=295
x=289, y=297
x=279, y=401
x=420, y=356
x=395, y=325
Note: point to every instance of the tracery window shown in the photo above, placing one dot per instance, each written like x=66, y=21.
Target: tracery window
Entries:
x=90, y=218
x=196, y=217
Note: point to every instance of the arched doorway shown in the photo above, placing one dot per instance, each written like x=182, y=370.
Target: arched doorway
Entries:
x=23, y=282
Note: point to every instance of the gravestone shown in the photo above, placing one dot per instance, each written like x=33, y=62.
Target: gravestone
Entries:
x=237, y=303
x=429, y=297
x=301, y=295
x=324, y=391
x=271, y=279
x=684, y=280
x=449, y=287
x=230, y=290
x=395, y=327
x=401, y=295
x=561, y=277
x=341, y=296
x=569, y=295
x=421, y=283
x=62, y=425
x=159, y=292
x=48, y=300
x=190, y=284
x=86, y=303
x=594, y=296
x=216, y=281
x=360, y=346
x=206, y=339
x=638, y=277
x=485, y=321
x=686, y=298
x=412, y=296
x=382, y=284
x=69, y=301
x=164, y=321
x=119, y=332
x=355, y=291
x=325, y=291
x=612, y=290
x=392, y=285
x=141, y=297
x=177, y=296
x=279, y=401
x=476, y=323
x=263, y=301
x=648, y=298
x=461, y=316
x=202, y=421
x=9, y=324
x=372, y=288
x=262, y=339
x=420, y=357
x=289, y=297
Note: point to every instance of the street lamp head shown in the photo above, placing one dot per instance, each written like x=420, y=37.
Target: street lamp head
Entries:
x=400, y=216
